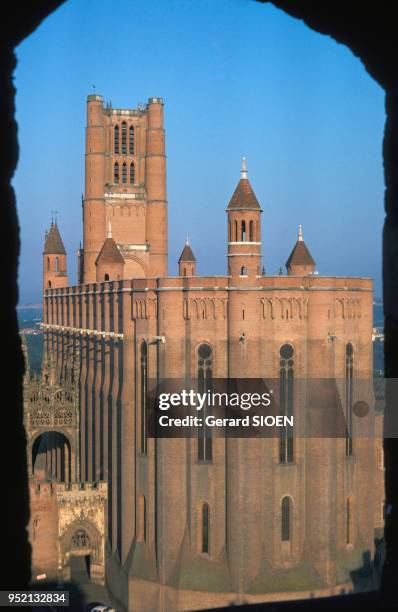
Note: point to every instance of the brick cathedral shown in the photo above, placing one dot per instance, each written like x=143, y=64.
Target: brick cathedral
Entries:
x=199, y=522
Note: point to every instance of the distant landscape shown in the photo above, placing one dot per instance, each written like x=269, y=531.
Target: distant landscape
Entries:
x=30, y=317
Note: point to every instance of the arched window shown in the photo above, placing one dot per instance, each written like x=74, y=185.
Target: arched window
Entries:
x=205, y=375
x=57, y=264
x=116, y=140
x=116, y=173
x=132, y=173
x=48, y=264
x=124, y=138
x=131, y=140
x=124, y=173
x=236, y=231
x=251, y=235
x=286, y=387
x=349, y=396
x=243, y=234
x=106, y=277
x=349, y=522
x=286, y=511
x=243, y=271
x=144, y=383
x=229, y=232
x=49, y=284
x=142, y=519
x=205, y=529
x=80, y=539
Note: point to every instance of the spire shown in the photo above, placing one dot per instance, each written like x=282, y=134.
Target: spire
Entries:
x=244, y=197
x=187, y=253
x=53, y=244
x=300, y=261
x=109, y=253
x=243, y=172
x=300, y=233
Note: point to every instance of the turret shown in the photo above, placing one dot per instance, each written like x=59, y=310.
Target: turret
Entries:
x=94, y=224
x=155, y=172
x=54, y=260
x=300, y=261
x=109, y=263
x=187, y=261
x=244, y=230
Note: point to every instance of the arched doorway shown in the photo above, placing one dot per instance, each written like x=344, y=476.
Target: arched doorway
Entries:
x=80, y=557
x=81, y=549
x=51, y=457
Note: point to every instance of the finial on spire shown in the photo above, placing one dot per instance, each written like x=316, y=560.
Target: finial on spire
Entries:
x=244, y=168
x=109, y=234
x=187, y=239
x=300, y=233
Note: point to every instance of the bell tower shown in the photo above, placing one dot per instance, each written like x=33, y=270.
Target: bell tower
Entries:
x=125, y=186
x=244, y=230
x=54, y=260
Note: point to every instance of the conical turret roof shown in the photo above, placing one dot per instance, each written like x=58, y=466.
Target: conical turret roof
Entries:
x=109, y=253
x=53, y=244
x=244, y=196
x=187, y=253
x=300, y=255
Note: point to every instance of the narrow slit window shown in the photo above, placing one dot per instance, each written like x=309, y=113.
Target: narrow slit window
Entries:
x=349, y=522
x=349, y=397
x=142, y=518
x=116, y=140
x=205, y=375
x=286, y=388
x=124, y=138
x=286, y=519
x=205, y=528
x=131, y=140
x=116, y=173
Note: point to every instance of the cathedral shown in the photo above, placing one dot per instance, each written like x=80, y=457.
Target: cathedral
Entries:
x=199, y=522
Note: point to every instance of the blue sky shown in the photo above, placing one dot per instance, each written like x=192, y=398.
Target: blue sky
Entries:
x=238, y=78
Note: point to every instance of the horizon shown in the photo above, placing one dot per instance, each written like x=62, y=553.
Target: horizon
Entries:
x=313, y=137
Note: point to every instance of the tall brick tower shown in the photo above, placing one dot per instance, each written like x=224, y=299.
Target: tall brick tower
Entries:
x=54, y=260
x=244, y=230
x=125, y=186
